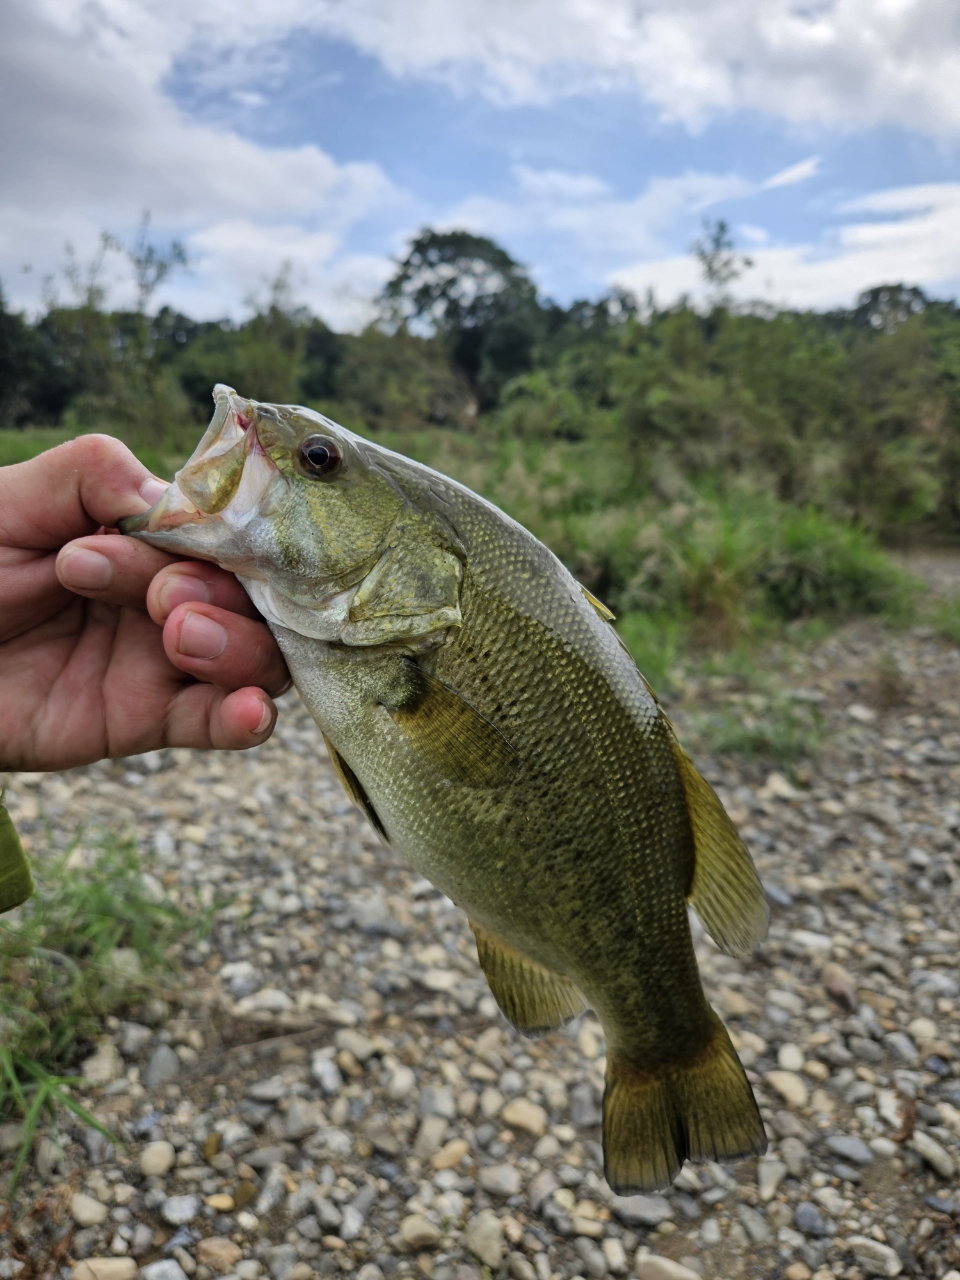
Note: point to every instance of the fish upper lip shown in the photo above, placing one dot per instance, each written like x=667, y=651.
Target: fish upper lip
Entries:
x=234, y=420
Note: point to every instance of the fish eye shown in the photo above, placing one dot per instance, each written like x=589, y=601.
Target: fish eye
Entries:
x=320, y=456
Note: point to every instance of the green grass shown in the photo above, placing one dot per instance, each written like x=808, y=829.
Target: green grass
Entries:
x=767, y=727
x=21, y=446
x=94, y=940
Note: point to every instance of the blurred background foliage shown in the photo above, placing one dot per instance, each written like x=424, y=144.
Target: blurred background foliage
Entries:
x=711, y=474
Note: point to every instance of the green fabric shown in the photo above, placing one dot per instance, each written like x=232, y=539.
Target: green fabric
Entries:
x=16, y=882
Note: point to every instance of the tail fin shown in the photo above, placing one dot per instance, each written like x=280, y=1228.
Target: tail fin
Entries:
x=700, y=1110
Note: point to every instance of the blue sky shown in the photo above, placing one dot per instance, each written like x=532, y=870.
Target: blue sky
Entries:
x=590, y=137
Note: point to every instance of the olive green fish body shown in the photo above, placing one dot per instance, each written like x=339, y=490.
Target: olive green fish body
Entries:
x=489, y=721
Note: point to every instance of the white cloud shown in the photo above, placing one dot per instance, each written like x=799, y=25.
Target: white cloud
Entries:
x=846, y=63
x=918, y=242
x=90, y=141
x=793, y=173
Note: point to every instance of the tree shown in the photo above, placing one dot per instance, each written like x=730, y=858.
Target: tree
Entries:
x=470, y=292
x=718, y=258
x=887, y=306
x=150, y=263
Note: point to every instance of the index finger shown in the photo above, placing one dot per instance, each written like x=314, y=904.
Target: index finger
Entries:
x=72, y=490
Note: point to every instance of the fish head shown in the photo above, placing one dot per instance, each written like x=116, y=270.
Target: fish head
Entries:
x=298, y=507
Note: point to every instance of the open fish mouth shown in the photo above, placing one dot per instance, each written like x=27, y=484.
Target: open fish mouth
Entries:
x=228, y=475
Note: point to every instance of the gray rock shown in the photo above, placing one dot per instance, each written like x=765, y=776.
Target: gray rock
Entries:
x=163, y=1067
x=808, y=1219
x=178, y=1210
x=329, y=1215
x=754, y=1223
x=310, y=1228
x=484, y=1238
x=795, y=1156
x=542, y=1186
x=865, y=1049
x=273, y=1190
x=271, y=1090
x=133, y=1038
x=263, y=1157
x=848, y=1147
x=584, y=1111
x=437, y=1101
x=641, y=1211
x=327, y=1074
x=902, y=1047
x=874, y=1258
x=280, y=1259
x=592, y=1257
x=352, y=1223
x=165, y=1269
x=500, y=1179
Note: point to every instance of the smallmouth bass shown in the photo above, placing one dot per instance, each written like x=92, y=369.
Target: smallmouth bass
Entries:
x=481, y=710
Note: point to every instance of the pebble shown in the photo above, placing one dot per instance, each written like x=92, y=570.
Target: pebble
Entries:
x=418, y=1232
x=848, y=1147
x=86, y=1211
x=790, y=1057
x=874, y=1258
x=104, y=1065
x=104, y=1269
x=484, y=1238
x=163, y=1067
x=789, y=1086
x=808, y=1219
x=500, y=1179
x=527, y=1116
x=157, y=1158
x=178, y=1210
x=219, y=1253
x=770, y=1173
x=165, y=1269
x=641, y=1211
x=654, y=1268
x=935, y=1155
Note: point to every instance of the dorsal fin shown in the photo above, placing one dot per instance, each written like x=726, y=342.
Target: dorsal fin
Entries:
x=606, y=614
x=726, y=892
x=534, y=999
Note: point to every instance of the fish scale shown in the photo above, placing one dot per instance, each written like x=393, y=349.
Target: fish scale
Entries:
x=489, y=721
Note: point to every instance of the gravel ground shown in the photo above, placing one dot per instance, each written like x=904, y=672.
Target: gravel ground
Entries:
x=333, y=1090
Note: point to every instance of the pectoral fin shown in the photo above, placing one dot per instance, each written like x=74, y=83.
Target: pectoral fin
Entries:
x=16, y=882
x=534, y=999
x=354, y=788
x=451, y=734
x=726, y=892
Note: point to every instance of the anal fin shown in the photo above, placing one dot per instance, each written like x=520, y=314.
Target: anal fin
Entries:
x=354, y=788
x=726, y=892
x=534, y=999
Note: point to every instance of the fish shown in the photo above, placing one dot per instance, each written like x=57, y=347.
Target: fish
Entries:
x=480, y=708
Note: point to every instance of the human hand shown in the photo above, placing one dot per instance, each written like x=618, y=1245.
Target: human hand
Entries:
x=160, y=653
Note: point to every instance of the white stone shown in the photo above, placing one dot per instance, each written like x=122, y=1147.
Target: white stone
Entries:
x=874, y=1258
x=179, y=1210
x=105, y=1269
x=156, y=1159
x=87, y=1212
x=520, y=1113
x=418, y=1233
x=500, y=1179
x=484, y=1238
x=267, y=1000
x=770, y=1173
x=165, y=1269
x=790, y=1057
x=933, y=1153
x=104, y=1065
x=864, y=715
x=655, y=1268
x=790, y=1087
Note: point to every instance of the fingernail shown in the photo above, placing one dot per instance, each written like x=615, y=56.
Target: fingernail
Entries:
x=265, y=719
x=182, y=588
x=86, y=570
x=201, y=637
x=152, y=490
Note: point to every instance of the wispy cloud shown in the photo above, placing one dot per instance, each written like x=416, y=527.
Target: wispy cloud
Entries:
x=793, y=173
